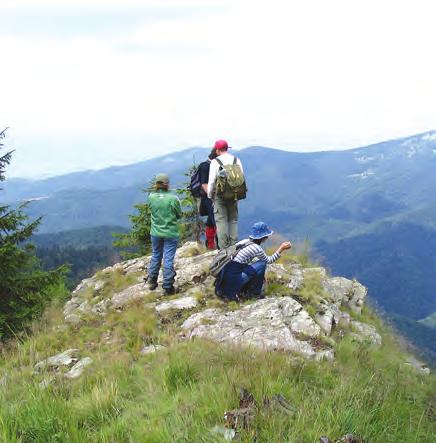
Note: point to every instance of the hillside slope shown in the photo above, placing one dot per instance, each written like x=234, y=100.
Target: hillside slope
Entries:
x=124, y=364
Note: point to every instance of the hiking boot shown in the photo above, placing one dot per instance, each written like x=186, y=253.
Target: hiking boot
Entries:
x=170, y=291
x=152, y=284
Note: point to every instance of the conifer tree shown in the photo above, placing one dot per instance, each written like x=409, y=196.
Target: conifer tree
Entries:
x=137, y=241
x=191, y=223
x=24, y=287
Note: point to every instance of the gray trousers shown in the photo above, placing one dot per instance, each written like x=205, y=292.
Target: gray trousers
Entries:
x=226, y=219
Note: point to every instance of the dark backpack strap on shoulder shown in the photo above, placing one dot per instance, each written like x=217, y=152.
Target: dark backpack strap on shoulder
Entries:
x=244, y=245
x=219, y=162
x=235, y=159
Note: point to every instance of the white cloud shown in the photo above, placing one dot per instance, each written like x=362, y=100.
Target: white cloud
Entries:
x=290, y=74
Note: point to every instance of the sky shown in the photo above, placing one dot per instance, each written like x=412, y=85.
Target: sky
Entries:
x=87, y=83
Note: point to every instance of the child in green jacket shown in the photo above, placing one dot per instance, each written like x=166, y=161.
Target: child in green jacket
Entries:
x=166, y=212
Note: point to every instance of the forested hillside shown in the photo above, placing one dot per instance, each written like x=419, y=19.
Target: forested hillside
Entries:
x=84, y=250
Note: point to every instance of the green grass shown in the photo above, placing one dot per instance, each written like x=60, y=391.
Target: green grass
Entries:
x=312, y=292
x=116, y=281
x=179, y=394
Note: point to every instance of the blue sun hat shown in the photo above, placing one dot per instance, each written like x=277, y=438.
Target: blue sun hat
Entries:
x=260, y=230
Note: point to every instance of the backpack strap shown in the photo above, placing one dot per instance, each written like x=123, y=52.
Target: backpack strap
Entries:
x=220, y=162
x=243, y=246
x=235, y=159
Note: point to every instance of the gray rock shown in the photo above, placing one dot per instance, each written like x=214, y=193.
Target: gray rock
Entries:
x=227, y=433
x=151, y=349
x=208, y=316
x=88, y=283
x=77, y=370
x=46, y=382
x=65, y=358
x=346, y=292
x=136, y=265
x=279, y=272
x=83, y=285
x=417, y=365
x=129, y=295
x=99, y=285
x=71, y=305
x=365, y=332
x=339, y=288
x=327, y=354
x=357, y=298
x=209, y=282
x=187, y=249
x=192, y=270
x=118, y=267
x=84, y=308
x=325, y=320
x=328, y=316
x=320, y=271
x=344, y=320
x=188, y=302
x=297, y=278
x=101, y=307
x=73, y=319
x=269, y=324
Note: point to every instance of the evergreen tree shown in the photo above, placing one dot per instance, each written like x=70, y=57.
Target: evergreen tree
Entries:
x=24, y=287
x=137, y=242
x=191, y=224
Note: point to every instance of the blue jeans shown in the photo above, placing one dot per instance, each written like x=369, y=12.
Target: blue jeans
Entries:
x=253, y=276
x=236, y=278
x=163, y=248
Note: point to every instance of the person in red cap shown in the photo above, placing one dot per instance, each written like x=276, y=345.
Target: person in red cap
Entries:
x=225, y=207
x=206, y=206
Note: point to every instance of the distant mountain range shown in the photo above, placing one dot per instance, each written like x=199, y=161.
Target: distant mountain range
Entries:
x=368, y=212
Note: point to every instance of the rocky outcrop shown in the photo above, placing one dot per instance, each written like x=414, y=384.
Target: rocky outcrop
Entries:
x=417, y=365
x=271, y=324
x=188, y=302
x=67, y=363
x=77, y=370
x=129, y=295
x=344, y=292
x=66, y=358
x=151, y=349
x=285, y=322
x=364, y=332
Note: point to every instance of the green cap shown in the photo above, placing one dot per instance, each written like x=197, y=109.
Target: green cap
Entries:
x=162, y=178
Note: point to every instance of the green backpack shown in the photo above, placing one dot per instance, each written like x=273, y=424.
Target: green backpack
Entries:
x=230, y=182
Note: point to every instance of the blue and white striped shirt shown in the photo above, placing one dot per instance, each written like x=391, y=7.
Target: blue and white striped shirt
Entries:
x=249, y=253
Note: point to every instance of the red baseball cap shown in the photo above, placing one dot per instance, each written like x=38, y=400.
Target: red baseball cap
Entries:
x=221, y=145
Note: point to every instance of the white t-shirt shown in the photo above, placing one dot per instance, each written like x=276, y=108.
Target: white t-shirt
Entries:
x=226, y=159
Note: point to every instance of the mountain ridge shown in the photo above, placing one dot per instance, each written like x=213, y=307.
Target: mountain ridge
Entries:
x=431, y=135
x=119, y=362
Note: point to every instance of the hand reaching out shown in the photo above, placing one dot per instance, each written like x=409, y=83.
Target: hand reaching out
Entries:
x=285, y=245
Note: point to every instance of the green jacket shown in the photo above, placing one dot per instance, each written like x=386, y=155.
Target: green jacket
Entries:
x=165, y=213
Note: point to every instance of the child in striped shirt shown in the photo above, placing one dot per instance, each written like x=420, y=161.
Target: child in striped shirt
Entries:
x=241, y=274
